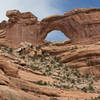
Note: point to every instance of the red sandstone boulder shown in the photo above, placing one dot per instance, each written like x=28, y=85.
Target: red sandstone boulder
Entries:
x=9, y=68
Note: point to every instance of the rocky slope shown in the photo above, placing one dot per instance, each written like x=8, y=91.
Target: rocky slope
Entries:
x=35, y=73
x=83, y=57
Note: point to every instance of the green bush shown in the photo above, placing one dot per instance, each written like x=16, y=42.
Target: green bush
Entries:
x=40, y=82
x=44, y=74
x=73, y=81
x=45, y=54
x=56, y=59
x=42, y=59
x=52, y=98
x=87, y=76
x=52, y=62
x=91, y=89
x=34, y=67
x=96, y=98
x=38, y=48
x=10, y=50
x=66, y=87
x=33, y=58
x=73, y=48
x=84, y=89
x=23, y=57
x=60, y=64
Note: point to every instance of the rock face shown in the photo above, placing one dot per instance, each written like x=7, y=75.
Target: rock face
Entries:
x=21, y=27
x=84, y=57
x=23, y=77
x=79, y=25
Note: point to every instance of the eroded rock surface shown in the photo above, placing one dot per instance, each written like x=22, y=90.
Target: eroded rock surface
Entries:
x=81, y=56
x=29, y=76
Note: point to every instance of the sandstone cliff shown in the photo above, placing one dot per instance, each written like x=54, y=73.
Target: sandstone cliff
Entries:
x=79, y=25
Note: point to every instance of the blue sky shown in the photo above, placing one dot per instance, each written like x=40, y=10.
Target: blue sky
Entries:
x=44, y=8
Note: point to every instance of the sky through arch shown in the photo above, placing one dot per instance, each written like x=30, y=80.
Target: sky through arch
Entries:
x=56, y=36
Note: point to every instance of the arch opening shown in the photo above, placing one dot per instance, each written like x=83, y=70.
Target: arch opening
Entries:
x=56, y=36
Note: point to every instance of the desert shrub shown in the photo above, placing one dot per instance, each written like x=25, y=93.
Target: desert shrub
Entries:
x=87, y=76
x=38, y=48
x=52, y=62
x=60, y=64
x=40, y=82
x=42, y=59
x=56, y=59
x=84, y=89
x=5, y=99
x=75, y=47
x=23, y=56
x=52, y=98
x=66, y=68
x=73, y=81
x=10, y=50
x=34, y=67
x=66, y=87
x=33, y=58
x=44, y=74
x=49, y=73
x=96, y=98
x=90, y=88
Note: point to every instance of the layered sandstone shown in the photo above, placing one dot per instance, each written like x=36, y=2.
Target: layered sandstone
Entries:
x=20, y=81
x=79, y=25
x=85, y=57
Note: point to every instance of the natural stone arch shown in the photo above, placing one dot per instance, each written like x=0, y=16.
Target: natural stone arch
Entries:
x=62, y=23
x=79, y=25
x=50, y=24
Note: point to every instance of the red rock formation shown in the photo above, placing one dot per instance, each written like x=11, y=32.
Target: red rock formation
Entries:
x=22, y=27
x=80, y=25
x=18, y=82
x=85, y=58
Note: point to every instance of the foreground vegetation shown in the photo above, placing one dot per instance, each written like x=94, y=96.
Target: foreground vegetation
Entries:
x=64, y=76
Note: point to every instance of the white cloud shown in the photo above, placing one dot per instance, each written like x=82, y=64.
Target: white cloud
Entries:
x=6, y=5
x=40, y=8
